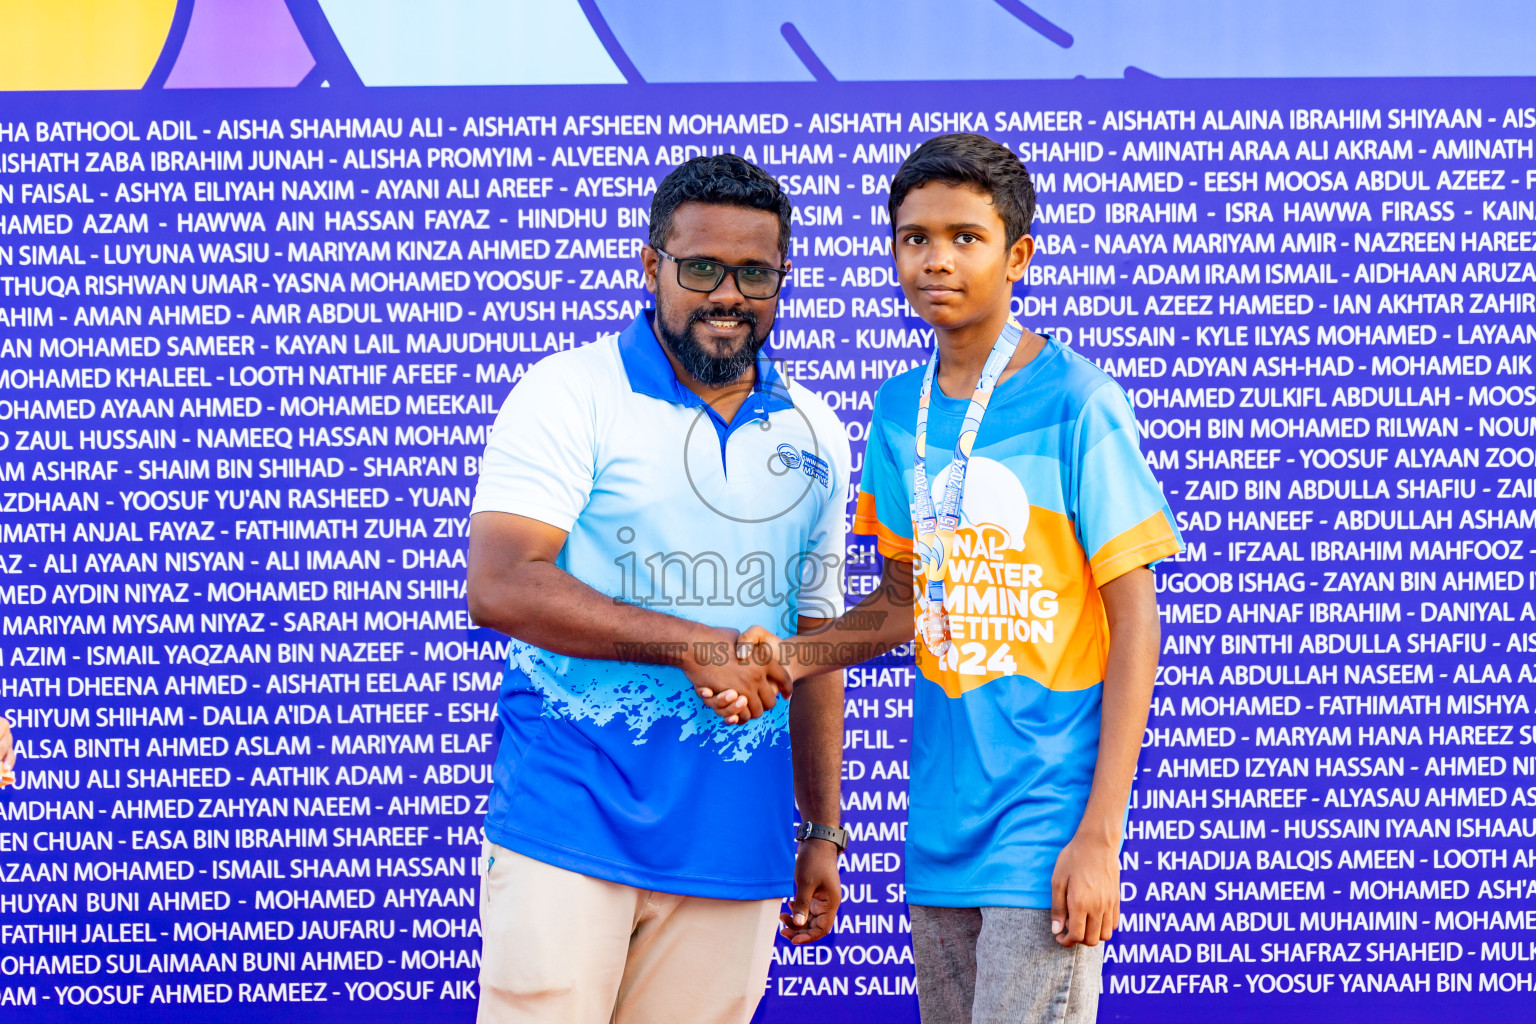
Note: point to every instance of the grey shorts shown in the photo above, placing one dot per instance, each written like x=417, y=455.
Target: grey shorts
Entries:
x=1000, y=965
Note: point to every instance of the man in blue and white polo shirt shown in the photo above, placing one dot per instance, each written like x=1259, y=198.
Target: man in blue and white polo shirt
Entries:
x=643, y=501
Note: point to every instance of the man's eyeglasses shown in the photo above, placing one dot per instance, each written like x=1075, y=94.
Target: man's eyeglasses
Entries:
x=701, y=275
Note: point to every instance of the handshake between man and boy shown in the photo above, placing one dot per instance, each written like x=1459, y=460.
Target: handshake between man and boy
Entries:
x=876, y=627
x=649, y=768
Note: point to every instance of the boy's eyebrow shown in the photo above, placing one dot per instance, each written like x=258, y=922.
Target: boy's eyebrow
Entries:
x=967, y=226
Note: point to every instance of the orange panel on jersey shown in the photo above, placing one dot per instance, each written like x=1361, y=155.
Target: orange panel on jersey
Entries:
x=1147, y=541
x=890, y=543
x=1028, y=611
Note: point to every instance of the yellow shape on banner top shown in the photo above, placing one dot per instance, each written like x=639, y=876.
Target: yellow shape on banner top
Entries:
x=81, y=44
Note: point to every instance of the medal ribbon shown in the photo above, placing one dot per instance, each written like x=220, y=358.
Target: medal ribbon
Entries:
x=934, y=529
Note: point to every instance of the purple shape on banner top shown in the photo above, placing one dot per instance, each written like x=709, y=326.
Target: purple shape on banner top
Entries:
x=233, y=44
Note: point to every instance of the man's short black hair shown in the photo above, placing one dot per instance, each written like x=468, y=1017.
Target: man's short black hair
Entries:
x=724, y=180
x=976, y=162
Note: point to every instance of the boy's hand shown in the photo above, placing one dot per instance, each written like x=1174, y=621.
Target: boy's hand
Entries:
x=767, y=645
x=760, y=647
x=1085, y=892
x=737, y=689
x=764, y=681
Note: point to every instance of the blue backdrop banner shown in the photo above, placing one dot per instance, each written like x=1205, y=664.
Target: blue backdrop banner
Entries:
x=251, y=343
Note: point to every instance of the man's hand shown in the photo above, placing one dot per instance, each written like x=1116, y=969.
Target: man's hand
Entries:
x=1085, y=892
x=737, y=682
x=517, y=587
x=7, y=754
x=813, y=911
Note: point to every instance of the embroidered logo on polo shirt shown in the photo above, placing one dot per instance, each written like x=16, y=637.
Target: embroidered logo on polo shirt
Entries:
x=798, y=458
x=815, y=468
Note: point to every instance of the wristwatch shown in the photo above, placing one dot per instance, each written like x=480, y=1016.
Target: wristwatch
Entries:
x=834, y=834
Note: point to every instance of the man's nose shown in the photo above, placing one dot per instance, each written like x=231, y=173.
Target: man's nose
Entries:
x=726, y=291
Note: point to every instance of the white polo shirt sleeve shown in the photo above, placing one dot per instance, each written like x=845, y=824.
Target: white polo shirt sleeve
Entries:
x=821, y=577
x=541, y=458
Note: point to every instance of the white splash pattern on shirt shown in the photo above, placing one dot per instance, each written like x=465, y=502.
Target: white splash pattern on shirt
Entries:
x=641, y=695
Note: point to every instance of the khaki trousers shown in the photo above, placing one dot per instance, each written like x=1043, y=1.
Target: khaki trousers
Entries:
x=564, y=948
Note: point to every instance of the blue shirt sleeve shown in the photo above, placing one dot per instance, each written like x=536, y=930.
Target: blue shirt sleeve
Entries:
x=884, y=506
x=1123, y=520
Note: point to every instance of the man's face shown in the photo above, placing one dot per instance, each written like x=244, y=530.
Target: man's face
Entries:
x=951, y=255
x=715, y=336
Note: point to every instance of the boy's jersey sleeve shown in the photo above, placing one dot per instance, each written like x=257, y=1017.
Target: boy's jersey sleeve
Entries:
x=1123, y=520
x=884, y=508
x=541, y=458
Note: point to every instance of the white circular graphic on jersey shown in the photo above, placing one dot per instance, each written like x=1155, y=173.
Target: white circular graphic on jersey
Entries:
x=992, y=495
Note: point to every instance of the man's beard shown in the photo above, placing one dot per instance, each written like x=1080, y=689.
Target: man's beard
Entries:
x=711, y=370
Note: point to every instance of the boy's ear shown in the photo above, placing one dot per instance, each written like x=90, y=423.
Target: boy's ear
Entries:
x=1019, y=255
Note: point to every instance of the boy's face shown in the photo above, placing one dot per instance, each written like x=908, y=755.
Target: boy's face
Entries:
x=951, y=255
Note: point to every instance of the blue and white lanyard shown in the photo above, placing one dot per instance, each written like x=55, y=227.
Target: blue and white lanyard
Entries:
x=934, y=531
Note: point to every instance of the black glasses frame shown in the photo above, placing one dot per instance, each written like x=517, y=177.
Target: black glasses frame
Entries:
x=720, y=272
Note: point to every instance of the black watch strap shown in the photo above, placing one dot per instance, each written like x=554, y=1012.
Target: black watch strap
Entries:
x=834, y=834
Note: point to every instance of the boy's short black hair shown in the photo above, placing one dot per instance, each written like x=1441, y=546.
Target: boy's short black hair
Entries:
x=977, y=162
x=725, y=180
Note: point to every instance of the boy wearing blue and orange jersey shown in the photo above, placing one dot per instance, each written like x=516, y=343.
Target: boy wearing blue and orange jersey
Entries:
x=1022, y=553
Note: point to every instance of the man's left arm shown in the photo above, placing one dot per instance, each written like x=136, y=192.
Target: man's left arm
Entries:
x=1085, y=887
x=816, y=741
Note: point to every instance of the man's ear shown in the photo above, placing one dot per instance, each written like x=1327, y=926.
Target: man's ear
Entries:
x=1019, y=255
x=650, y=264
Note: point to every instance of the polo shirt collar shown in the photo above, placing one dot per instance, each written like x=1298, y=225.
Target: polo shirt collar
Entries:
x=650, y=373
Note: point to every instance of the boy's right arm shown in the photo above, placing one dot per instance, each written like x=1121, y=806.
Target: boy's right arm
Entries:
x=883, y=620
x=516, y=588
x=875, y=626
